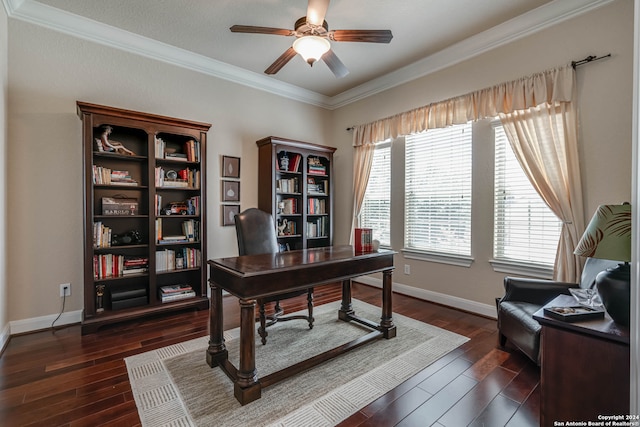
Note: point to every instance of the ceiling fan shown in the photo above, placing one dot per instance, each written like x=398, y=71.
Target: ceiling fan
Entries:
x=312, y=39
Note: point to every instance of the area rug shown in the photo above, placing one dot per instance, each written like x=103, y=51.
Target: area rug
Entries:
x=174, y=386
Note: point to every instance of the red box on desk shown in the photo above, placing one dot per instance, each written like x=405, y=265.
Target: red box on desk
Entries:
x=362, y=239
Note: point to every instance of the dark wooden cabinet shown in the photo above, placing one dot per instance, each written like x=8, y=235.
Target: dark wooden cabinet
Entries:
x=584, y=370
x=295, y=185
x=144, y=214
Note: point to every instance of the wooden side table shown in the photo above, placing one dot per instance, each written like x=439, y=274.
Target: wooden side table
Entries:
x=584, y=367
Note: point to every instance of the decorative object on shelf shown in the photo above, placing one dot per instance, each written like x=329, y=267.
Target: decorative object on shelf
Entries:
x=230, y=191
x=228, y=214
x=100, y=298
x=119, y=205
x=608, y=236
x=284, y=162
x=282, y=225
x=104, y=144
x=230, y=167
x=132, y=237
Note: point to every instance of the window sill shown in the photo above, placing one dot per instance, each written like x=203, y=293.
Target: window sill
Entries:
x=458, y=260
x=522, y=268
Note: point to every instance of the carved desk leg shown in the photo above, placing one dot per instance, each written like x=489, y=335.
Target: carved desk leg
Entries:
x=386, y=321
x=246, y=387
x=217, y=351
x=346, y=309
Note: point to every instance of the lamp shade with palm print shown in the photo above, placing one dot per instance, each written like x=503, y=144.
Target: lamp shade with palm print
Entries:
x=608, y=235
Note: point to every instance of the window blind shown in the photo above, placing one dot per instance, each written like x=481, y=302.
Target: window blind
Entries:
x=376, y=208
x=438, y=190
x=525, y=229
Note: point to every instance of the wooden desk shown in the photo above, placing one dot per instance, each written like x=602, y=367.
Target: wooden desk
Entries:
x=584, y=369
x=254, y=276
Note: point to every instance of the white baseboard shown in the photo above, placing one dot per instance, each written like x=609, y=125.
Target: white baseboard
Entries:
x=4, y=337
x=44, y=322
x=486, y=310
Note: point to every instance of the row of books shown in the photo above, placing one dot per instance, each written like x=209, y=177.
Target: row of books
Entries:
x=190, y=232
x=316, y=206
x=289, y=185
x=101, y=235
x=170, y=260
x=289, y=206
x=114, y=265
x=176, y=292
x=106, y=176
x=190, y=151
x=318, y=227
x=319, y=188
x=185, y=178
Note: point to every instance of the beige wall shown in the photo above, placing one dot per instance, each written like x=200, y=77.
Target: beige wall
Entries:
x=48, y=72
x=605, y=102
x=4, y=36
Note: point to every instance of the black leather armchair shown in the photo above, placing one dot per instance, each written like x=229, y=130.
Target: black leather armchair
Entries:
x=523, y=297
x=256, y=234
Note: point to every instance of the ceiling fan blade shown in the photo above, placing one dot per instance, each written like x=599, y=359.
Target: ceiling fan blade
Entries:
x=335, y=65
x=316, y=11
x=261, y=30
x=281, y=61
x=369, y=36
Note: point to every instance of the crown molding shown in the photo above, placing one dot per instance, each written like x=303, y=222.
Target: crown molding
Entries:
x=531, y=22
x=502, y=34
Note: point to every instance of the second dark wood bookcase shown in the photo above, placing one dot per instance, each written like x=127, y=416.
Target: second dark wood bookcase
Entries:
x=145, y=234
x=295, y=185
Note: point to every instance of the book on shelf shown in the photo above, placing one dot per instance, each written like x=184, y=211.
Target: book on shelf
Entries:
x=290, y=206
x=177, y=259
x=181, y=157
x=101, y=235
x=173, y=289
x=176, y=296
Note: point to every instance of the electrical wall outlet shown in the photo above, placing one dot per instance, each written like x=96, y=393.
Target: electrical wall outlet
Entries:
x=65, y=290
x=407, y=269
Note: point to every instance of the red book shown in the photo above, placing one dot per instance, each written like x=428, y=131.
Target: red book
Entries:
x=362, y=239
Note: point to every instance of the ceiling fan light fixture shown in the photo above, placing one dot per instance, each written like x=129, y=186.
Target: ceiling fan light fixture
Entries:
x=311, y=48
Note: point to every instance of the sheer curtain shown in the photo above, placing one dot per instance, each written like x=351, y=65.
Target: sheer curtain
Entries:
x=544, y=140
x=363, y=158
x=552, y=90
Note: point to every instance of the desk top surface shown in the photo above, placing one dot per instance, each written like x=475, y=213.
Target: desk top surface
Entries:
x=248, y=265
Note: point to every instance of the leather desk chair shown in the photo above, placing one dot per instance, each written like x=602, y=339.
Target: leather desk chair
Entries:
x=256, y=234
x=523, y=297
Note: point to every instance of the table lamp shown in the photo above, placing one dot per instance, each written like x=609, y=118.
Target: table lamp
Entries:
x=608, y=236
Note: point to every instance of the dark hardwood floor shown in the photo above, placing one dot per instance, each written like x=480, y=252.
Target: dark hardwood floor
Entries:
x=61, y=378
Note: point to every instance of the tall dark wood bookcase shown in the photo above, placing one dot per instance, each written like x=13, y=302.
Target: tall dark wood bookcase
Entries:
x=295, y=185
x=123, y=276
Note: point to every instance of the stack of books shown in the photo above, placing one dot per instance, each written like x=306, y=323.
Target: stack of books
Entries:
x=315, y=167
x=170, y=293
x=137, y=265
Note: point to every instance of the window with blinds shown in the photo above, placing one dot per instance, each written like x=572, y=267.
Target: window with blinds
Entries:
x=525, y=229
x=438, y=191
x=376, y=208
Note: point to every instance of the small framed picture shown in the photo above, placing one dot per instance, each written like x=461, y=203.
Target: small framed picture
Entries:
x=230, y=167
x=230, y=191
x=228, y=214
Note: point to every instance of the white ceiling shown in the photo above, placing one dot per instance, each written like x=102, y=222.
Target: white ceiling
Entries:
x=427, y=35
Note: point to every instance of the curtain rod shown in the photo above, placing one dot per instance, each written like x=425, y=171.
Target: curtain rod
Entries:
x=574, y=64
x=588, y=59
